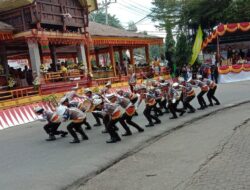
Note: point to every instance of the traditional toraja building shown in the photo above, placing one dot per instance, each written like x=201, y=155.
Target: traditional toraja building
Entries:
x=40, y=26
x=38, y=30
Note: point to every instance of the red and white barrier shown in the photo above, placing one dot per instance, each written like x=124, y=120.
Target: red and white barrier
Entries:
x=19, y=115
x=24, y=114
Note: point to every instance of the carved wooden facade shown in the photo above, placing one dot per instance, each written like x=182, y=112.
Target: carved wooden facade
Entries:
x=61, y=15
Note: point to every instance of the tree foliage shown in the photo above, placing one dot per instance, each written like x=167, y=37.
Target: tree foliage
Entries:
x=100, y=17
x=189, y=14
x=132, y=27
x=183, y=50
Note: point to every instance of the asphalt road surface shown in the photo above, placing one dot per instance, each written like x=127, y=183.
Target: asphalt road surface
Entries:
x=207, y=154
x=27, y=161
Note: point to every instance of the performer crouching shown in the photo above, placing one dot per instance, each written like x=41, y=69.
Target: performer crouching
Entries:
x=204, y=89
x=210, y=94
x=150, y=105
x=90, y=96
x=173, y=101
x=77, y=118
x=74, y=104
x=111, y=115
x=188, y=95
x=52, y=125
x=129, y=112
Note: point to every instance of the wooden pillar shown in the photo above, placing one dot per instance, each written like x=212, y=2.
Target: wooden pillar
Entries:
x=147, y=54
x=3, y=59
x=112, y=59
x=88, y=61
x=132, y=61
x=53, y=57
x=34, y=56
x=83, y=56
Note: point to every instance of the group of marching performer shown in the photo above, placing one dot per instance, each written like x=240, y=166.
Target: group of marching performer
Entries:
x=110, y=109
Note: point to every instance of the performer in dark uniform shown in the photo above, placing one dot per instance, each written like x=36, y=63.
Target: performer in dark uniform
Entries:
x=129, y=112
x=90, y=96
x=158, y=98
x=188, y=95
x=52, y=125
x=210, y=94
x=204, y=89
x=150, y=104
x=173, y=101
x=79, y=105
x=164, y=89
x=132, y=82
x=77, y=118
x=111, y=115
x=134, y=97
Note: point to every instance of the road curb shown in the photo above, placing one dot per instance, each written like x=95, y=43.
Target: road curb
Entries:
x=82, y=181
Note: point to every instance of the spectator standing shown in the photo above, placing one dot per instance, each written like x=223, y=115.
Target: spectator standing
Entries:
x=184, y=72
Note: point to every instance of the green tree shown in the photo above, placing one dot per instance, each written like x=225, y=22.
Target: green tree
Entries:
x=132, y=27
x=183, y=50
x=100, y=17
x=169, y=46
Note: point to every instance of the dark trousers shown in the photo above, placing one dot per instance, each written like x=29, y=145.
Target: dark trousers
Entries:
x=148, y=115
x=97, y=117
x=164, y=105
x=173, y=108
x=186, y=102
x=51, y=129
x=110, y=126
x=201, y=100
x=129, y=121
x=133, y=102
x=158, y=107
x=76, y=127
x=211, y=97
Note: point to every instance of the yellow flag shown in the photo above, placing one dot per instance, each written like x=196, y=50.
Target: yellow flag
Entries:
x=197, y=46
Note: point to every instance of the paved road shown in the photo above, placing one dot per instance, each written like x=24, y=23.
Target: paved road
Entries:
x=208, y=154
x=29, y=162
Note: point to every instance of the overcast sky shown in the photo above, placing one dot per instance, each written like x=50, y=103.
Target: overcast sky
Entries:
x=134, y=10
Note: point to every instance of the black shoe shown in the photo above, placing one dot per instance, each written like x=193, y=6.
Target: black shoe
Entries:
x=75, y=141
x=217, y=103
x=201, y=108
x=173, y=117
x=140, y=130
x=64, y=134
x=51, y=138
x=116, y=128
x=191, y=111
x=157, y=122
x=149, y=125
x=104, y=131
x=85, y=137
x=166, y=111
x=127, y=134
x=97, y=125
x=181, y=114
x=88, y=128
x=118, y=138
x=160, y=114
x=211, y=105
x=112, y=140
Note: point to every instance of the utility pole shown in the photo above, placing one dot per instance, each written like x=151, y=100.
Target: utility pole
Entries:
x=105, y=5
x=106, y=12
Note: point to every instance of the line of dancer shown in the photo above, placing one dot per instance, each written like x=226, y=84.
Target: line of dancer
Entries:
x=111, y=109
